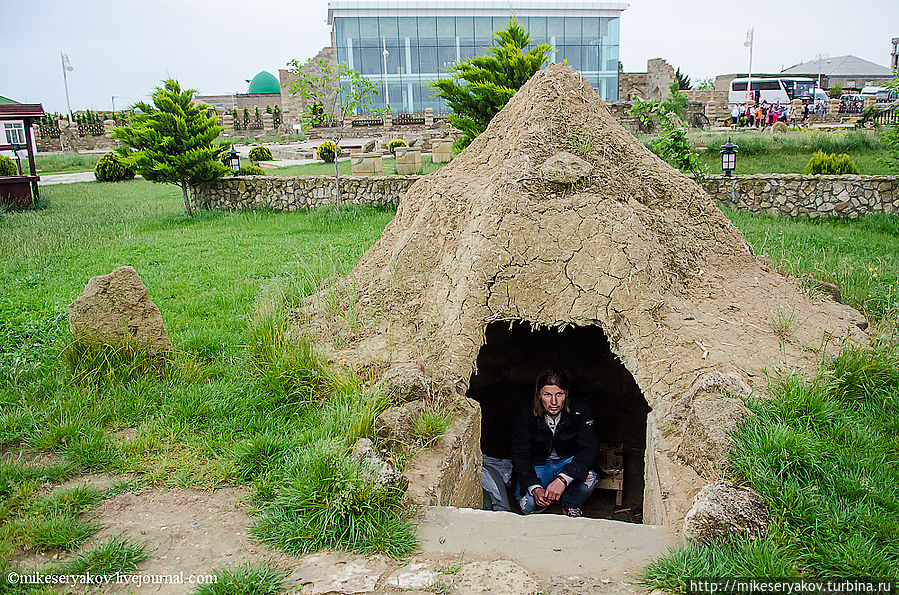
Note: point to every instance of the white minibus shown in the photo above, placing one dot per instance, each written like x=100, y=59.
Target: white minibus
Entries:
x=775, y=90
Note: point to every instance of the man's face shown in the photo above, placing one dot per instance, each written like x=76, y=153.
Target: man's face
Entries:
x=553, y=399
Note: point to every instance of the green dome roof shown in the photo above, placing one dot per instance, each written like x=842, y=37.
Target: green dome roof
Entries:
x=264, y=82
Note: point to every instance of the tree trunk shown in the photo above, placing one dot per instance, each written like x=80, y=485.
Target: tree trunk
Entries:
x=190, y=213
x=336, y=160
x=337, y=177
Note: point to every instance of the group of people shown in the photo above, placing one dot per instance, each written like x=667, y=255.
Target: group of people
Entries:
x=765, y=114
x=554, y=448
x=851, y=104
x=759, y=115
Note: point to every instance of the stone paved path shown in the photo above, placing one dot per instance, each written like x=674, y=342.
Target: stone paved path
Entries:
x=49, y=179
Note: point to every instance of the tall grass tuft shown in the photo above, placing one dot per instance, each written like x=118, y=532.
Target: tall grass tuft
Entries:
x=248, y=579
x=94, y=363
x=287, y=363
x=15, y=473
x=56, y=531
x=95, y=451
x=71, y=501
x=16, y=427
x=329, y=499
x=825, y=458
x=429, y=424
x=117, y=554
x=258, y=454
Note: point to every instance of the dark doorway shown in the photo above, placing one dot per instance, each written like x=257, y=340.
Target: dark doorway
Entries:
x=508, y=365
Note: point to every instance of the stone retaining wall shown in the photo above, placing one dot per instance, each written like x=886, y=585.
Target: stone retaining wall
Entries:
x=776, y=194
x=291, y=194
x=796, y=195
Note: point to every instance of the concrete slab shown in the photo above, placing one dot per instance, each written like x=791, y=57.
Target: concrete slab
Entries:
x=545, y=544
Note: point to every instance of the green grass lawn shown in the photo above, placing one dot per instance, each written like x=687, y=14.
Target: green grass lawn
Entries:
x=64, y=163
x=762, y=152
x=861, y=256
x=244, y=401
x=869, y=163
x=327, y=169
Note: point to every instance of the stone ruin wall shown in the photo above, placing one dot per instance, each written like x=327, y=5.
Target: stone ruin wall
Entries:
x=652, y=84
x=291, y=104
x=795, y=195
x=790, y=195
x=292, y=194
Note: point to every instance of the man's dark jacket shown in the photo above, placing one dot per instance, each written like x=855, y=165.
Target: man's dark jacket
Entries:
x=532, y=443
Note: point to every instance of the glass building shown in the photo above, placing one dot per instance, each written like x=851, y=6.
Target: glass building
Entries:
x=402, y=45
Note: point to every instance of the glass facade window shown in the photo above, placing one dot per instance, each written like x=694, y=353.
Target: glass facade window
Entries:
x=422, y=49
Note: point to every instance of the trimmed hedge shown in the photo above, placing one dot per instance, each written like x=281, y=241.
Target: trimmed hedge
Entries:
x=259, y=153
x=111, y=169
x=392, y=145
x=8, y=166
x=251, y=170
x=327, y=151
x=828, y=163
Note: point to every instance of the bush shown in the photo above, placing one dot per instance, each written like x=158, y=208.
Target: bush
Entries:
x=111, y=169
x=251, y=170
x=258, y=153
x=8, y=166
x=327, y=151
x=828, y=163
x=392, y=145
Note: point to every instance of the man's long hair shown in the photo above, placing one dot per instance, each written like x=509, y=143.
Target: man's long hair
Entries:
x=550, y=376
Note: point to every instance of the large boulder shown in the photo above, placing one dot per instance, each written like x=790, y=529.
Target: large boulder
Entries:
x=406, y=382
x=565, y=168
x=724, y=510
x=116, y=308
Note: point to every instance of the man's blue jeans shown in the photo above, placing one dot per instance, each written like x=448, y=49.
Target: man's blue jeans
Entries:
x=575, y=494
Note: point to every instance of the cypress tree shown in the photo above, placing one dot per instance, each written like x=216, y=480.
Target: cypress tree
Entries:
x=490, y=81
x=172, y=141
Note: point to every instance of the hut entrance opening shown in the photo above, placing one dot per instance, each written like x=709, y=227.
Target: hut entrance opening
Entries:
x=507, y=367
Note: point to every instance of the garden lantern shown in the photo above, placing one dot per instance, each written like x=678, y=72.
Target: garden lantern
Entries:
x=233, y=160
x=728, y=157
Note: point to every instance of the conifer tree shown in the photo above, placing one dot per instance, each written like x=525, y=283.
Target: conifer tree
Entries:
x=490, y=81
x=172, y=141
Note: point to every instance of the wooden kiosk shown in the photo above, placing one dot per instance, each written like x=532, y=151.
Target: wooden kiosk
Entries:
x=20, y=190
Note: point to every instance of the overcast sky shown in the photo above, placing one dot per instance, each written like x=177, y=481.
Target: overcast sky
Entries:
x=124, y=48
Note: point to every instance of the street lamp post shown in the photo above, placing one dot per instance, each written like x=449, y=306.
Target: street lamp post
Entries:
x=728, y=157
x=385, y=53
x=750, y=37
x=66, y=67
x=234, y=160
x=821, y=57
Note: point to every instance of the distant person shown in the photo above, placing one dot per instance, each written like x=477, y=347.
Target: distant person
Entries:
x=553, y=447
x=735, y=114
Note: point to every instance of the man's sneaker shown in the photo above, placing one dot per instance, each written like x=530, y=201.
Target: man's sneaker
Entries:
x=572, y=511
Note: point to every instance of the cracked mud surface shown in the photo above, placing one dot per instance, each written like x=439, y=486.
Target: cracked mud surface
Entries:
x=636, y=248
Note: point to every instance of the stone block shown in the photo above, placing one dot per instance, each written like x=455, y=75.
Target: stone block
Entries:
x=367, y=164
x=442, y=150
x=408, y=160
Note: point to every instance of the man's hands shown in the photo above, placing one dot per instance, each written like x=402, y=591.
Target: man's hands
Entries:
x=552, y=493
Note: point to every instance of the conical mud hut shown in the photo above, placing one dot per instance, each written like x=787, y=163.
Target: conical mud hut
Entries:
x=556, y=238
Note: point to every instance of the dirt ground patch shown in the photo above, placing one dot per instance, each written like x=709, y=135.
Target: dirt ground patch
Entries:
x=192, y=532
